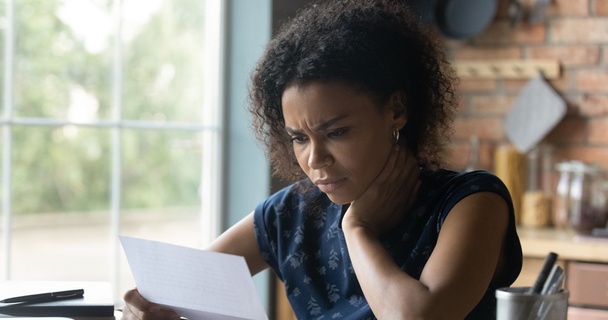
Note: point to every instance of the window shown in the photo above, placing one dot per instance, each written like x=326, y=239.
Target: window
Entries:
x=110, y=125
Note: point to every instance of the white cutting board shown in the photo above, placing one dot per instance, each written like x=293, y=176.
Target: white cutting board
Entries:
x=537, y=110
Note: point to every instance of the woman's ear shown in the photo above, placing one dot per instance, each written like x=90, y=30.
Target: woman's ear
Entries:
x=398, y=105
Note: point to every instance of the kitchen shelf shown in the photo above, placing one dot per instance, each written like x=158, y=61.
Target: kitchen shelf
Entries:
x=570, y=246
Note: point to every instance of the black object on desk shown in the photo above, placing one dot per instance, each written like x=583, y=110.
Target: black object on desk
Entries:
x=46, y=297
x=56, y=301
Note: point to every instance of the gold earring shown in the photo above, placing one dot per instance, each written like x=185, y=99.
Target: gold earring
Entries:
x=395, y=135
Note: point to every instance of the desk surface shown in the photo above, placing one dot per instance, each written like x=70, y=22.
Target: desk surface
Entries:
x=566, y=243
x=117, y=316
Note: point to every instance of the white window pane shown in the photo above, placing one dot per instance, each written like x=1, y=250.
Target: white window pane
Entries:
x=60, y=204
x=62, y=61
x=3, y=29
x=161, y=169
x=60, y=169
x=65, y=70
x=163, y=65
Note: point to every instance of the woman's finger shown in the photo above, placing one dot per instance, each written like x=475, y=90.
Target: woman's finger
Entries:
x=136, y=301
x=130, y=314
x=137, y=307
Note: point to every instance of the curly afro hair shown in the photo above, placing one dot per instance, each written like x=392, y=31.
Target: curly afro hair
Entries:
x=379, y=47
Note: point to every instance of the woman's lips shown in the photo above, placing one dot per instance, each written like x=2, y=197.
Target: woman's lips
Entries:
x=329, y=186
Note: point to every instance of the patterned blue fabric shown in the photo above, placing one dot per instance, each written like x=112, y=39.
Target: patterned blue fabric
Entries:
x=299, y=235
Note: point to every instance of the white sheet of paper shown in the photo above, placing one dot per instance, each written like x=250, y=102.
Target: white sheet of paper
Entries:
x=197, y=284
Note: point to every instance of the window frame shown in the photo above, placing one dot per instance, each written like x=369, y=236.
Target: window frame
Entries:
x=210, y=127
x=239, y=163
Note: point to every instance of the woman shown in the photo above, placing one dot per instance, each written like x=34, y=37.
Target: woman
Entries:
x=354, y=101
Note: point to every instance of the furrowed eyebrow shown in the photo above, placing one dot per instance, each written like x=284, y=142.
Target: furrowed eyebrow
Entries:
x=291, y=131
x=320, y=126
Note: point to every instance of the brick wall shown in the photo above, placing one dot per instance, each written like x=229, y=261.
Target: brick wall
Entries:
x=576, y=34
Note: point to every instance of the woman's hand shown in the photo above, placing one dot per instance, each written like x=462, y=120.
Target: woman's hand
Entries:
x=387, y=199
x=136, y=307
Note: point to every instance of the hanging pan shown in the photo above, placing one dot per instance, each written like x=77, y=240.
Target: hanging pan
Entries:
x=461, y=19
x=456, y=19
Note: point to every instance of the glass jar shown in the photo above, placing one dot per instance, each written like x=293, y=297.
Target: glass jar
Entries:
x=587, y=198
x=560, y=206
x=509, y=166
x=537, y=198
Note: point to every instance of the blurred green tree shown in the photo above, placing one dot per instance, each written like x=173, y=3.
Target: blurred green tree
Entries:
x=63, y=69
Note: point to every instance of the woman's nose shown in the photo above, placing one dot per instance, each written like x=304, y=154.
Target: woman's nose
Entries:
x=319, y=157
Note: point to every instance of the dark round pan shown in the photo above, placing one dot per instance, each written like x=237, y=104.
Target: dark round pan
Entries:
x=461, y=19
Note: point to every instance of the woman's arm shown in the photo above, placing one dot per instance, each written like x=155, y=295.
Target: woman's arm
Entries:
x=240, y=240
x=458, y=271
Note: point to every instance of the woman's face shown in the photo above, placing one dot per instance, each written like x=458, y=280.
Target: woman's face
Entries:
x=340, y=137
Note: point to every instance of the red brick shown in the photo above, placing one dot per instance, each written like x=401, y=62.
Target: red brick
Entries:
x=589, y=154
x=568, y=56
x=490, y=128
x=579, y=30
x=555, y=8
x=572, y=107
x=491, y=104
x=569, y=8
x=591, y=105
x=594, y=80
x=598, y=131
x=515, y=85
x=578, y=39
x=477, y=85
x=502, y=33
x=570, y=130
x=485, y=53
x=462, y=106
x=561, y=153
x=459, y=152
x=562, y=83
x=452, y=44
x=600, y=8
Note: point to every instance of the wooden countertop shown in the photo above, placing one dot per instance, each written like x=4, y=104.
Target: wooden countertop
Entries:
x=537, y=243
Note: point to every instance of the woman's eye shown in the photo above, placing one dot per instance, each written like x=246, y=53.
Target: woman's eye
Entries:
x=336, y=133
x=298, y=139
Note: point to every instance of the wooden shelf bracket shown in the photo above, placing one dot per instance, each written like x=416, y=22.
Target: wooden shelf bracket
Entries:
x=506, y=69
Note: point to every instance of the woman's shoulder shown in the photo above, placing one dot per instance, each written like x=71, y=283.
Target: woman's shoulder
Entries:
x=450, y=178
x=449, y=174
x=449, y=187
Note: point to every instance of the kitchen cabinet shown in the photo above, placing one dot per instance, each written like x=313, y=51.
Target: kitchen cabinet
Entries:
x=585, y=261
x=575, y=313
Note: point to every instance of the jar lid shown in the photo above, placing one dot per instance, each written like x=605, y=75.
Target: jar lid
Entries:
x=576, y=166
x=564, y=166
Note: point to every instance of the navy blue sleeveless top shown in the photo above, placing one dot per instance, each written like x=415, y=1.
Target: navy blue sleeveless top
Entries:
x=299, y=235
